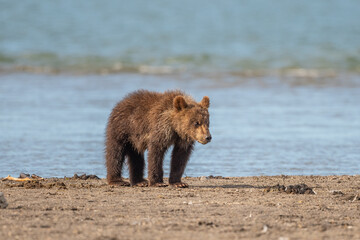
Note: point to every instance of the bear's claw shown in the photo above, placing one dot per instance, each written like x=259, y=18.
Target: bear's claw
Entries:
x=119, y=183
x=141, y=184
x=180, y=185
x=158, y=185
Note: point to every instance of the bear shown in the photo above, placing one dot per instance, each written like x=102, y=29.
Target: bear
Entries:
x=154, y=121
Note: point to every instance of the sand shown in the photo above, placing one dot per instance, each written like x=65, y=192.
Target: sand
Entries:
x=211, y=208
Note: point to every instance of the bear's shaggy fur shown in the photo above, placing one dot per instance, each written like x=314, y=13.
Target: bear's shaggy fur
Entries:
x=154, y=121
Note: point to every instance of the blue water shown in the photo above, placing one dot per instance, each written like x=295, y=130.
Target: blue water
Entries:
x=235, y=35
x=283, y=78
x=53, y=125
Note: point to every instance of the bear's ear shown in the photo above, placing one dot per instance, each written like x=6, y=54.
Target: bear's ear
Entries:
x=179, y=103
x=205, y=102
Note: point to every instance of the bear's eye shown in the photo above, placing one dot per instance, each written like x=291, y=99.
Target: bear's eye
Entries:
x=197, y=124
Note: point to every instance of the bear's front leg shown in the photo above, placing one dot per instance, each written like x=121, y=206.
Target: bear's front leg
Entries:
x=155, y=166
x=179, y=158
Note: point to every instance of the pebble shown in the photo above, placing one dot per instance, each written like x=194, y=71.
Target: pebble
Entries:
x=3, y=203
x=203, y=178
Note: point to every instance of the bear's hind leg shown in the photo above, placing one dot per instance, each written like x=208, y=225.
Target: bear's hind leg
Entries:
x=136, y=163
x=114, y=162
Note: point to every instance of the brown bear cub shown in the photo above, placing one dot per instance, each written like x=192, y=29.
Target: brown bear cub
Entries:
x=154, y=121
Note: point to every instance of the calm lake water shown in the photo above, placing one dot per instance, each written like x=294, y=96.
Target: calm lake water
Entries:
x=54, y=125
x=283, y=78
x=236, y=35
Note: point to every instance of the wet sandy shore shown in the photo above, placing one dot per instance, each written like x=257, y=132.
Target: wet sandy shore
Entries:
x=211, y=208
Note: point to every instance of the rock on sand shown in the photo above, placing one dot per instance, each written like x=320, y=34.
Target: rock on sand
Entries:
x=3, y=203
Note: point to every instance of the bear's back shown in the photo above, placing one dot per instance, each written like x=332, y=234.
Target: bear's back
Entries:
x=136, y=115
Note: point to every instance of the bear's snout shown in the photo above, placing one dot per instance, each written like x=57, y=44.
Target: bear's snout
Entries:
x=206, y=139
x=203, y=135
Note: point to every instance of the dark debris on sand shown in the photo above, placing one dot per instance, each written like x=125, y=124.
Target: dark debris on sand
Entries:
x=82, y=177
x=291, y=189
x=35, y=185
x=27, y=175
x=216, y=177
x=33, y=181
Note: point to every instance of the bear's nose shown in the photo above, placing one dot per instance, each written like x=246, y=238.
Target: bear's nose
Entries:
x=208, y=138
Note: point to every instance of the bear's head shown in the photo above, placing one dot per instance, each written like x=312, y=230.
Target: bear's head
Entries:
x=191, y=119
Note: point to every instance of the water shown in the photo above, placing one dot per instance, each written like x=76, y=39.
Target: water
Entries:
x=202, y=35
x=53, y=125
x=283, y=78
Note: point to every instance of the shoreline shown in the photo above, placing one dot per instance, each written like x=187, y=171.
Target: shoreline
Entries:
x=211, y=208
